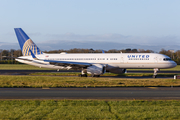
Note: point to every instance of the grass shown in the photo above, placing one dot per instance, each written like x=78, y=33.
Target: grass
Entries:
x=30, y=67
x=106, y=74
x=20, y=67
x=56, y=73
x=49, y=81
x=84, y=109
x=89, y=109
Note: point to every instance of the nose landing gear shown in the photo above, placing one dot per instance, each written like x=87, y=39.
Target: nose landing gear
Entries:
x=155, y=72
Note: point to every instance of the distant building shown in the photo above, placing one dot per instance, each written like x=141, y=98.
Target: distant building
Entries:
x=172, y=51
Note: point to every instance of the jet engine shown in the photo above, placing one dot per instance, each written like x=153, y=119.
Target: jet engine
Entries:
x=96, y=69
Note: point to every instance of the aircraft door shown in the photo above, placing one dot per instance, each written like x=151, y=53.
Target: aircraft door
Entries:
x=121, y=60
x=155, y=60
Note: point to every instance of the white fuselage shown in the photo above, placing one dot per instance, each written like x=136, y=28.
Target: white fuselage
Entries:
x=111, y=60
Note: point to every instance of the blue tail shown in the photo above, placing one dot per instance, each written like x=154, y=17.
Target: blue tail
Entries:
x=26, y=44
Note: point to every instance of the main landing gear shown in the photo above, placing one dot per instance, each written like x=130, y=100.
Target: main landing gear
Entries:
x=81, y=75
x=84, y=74
x=95, y=75
x=155, y=72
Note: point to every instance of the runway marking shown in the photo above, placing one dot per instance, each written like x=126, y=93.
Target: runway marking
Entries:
x=45, y=88
x=153, y=87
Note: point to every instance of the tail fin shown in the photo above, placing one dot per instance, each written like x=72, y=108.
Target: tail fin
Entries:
x=26, y=44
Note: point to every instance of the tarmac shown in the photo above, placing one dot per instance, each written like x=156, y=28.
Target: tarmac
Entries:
x=123, y=93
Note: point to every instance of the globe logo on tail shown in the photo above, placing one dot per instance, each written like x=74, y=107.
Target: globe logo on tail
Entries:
x=30, y=45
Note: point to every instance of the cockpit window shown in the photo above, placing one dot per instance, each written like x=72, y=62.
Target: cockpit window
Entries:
x=167, y=59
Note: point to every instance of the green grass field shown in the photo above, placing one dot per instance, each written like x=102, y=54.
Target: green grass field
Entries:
x=106, y=74
x=39, y=80
x=84, y=109
x=49, y=81
x=89, y=110
x=20, y=67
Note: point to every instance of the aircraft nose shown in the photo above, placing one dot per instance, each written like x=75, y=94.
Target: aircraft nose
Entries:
x=174, y=64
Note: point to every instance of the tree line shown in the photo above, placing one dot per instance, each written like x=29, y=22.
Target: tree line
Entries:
x=16, y=53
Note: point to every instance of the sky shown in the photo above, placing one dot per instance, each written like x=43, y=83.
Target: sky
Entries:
x=97, y=24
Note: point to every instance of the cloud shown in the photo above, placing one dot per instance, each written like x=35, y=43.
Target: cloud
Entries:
x=34, y=34
x=103, y=41
x=8, y=46
x=76, y=37
x=118, y=38
x=55, y=45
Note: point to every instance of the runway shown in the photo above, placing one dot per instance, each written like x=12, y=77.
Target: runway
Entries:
x=159, y=93
x=33, y=71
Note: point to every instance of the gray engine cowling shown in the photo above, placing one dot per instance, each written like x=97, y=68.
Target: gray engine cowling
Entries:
x=117, y=70
x=96, y=69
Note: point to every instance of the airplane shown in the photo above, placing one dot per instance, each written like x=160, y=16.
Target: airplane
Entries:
x=95, y=64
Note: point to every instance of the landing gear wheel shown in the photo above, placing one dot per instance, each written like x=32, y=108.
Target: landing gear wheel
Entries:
x=95, y=75
x=154, y=76
x=80, y=75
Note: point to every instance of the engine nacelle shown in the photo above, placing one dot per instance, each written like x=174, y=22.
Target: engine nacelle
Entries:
x=117, y=70
x=96, y=69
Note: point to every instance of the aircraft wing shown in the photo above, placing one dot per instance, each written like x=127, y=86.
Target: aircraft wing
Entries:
x=68, y=63
x=74, y=65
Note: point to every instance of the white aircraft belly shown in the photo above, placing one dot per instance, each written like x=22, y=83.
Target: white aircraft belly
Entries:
x=141, y=65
